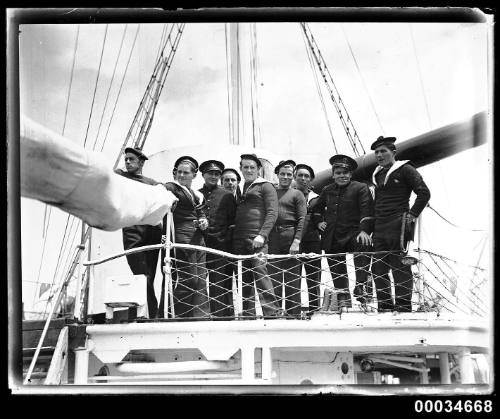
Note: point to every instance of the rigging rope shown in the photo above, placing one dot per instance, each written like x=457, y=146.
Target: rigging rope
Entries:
x=65, y=249
x=420, y=77
x=95, y=87
x=344, y=117
x=46, y=218
x=318, y=88
x=254, y=87
x=109, y=89
x=362, y=80
x=253, y=82
x=241, y=111
x=453, y=224
x=229, y=114
x=121, y=85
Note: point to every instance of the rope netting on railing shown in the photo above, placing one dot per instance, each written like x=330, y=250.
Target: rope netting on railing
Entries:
x=206, y=283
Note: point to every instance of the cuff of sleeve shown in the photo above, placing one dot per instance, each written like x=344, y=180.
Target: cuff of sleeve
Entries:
x=366, y=224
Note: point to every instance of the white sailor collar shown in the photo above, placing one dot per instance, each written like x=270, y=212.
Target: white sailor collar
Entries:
x=311, y=195
x=257, y=181
x=397, y=164
x=198, y=194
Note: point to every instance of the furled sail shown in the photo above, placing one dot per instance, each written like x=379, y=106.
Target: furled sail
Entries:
x=58, y=172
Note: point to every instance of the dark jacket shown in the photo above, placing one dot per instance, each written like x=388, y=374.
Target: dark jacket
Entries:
x=220, y=208
x=139, y=178
x=347, y=211
x=140, y=235
x=392, y=193
x=310, y=231
x=187, y=210
x=257, y=210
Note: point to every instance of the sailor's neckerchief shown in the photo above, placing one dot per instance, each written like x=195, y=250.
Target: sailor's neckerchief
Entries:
x=397, y=164
x=198, y=194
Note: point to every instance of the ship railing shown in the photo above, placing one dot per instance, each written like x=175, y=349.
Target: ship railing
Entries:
x=200, y=283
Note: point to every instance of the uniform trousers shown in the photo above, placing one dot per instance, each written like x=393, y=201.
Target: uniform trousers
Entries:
x=284, y=271
x=312, y=267
x=387, y=237
x=144, y=263
x=338, y=266
x=255, y=271
x=220, y=283
x=190, y=279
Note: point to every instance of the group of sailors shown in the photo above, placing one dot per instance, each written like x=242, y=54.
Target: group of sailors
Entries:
x=289, y=218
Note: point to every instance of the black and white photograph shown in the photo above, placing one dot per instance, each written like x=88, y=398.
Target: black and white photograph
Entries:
x=267, y=201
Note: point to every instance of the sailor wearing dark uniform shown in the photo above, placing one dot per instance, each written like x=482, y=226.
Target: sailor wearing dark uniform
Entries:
x=141, y=235
x=220, y=208
x=256, y=214
x=344, y=215
x=285, y=239
x=189, y=291
x=394, y=182
x=230, y=180
x=310, y=243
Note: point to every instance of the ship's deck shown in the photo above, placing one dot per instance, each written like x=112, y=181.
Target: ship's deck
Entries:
x=355, y=332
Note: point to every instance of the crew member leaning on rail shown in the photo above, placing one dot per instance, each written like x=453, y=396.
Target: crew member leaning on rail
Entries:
x=344, y=215
x=285, y=239
x=310, y=243
x=141, y=235
x=220, y=208
x=256, y=214
x=190, y=292
x=394, y=182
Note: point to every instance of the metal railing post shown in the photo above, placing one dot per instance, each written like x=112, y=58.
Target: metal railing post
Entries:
x=167, y=269
x=240, y=287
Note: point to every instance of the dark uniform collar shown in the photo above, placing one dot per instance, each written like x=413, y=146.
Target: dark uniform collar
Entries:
x=337, y=186
x=207, y=188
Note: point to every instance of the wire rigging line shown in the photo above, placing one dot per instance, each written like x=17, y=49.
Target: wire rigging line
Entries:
x=46, y=217
x=70, y=252
x=96, y=83
x=318, y=88
x=121, y=85
x=340, y=107
x=239, y=81
x=109, y=89
x=362, y=80
x=253, y=83
x=58, y=258
x=419, y=71
x=453, y=224
x=257, y=66
x=162, y=38
x=229, y=113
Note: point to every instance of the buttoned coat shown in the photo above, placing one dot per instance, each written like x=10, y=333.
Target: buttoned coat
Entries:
x=347, y=210
x=220, y=209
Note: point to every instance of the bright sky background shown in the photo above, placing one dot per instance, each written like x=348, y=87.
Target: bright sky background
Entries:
x=193, y=108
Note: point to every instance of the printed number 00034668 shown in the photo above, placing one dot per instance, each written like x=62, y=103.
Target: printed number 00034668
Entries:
x=466, y=406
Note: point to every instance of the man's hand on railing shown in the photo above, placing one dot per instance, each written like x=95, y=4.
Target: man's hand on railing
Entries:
x=294, y=248
x=203, y=224
x=364, y=238
x=258, y=242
